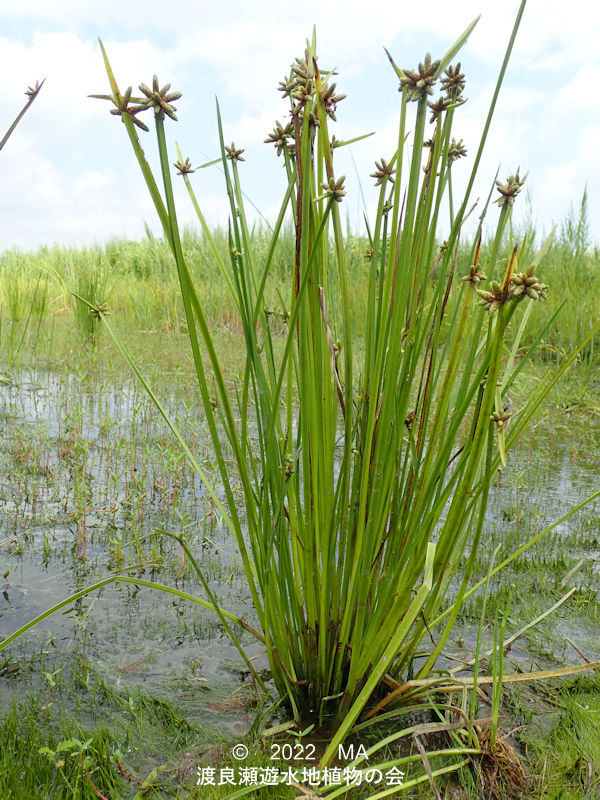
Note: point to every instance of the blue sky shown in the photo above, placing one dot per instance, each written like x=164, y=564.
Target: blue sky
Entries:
x=68, y=173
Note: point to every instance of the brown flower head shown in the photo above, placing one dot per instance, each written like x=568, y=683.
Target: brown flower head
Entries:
x=303, y=93
x=493, y=299
x=99, y=310
x=280, y=136
x=510, y=189
x=126, y=104
x=500, y=417
x=454, y=82
x=383, y=170
x=299, y=86
x=32, y=91
x=420, y=84
x=184, y=167
x=526, y=284
x=335, y=188
x=286, y=86
x=475, y=275
x=437, y=108
x=330, y=99
x=456, y=150
x=160, y=99
x=300, y=71
x=233, y=154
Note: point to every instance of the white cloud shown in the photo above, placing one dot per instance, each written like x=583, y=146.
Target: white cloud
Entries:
x=68, y=170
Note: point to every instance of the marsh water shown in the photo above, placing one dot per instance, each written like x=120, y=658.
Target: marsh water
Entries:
x=91, y=478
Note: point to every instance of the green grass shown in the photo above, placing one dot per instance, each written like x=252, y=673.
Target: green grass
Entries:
x=153, y=742
x=47, y=753
x=567, y=757
x=142, y=292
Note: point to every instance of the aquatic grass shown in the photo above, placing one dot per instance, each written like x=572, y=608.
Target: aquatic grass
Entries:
x=35, y=759
x=16, y=299
x=42, y=755
x=567, y=757
x=87, y=275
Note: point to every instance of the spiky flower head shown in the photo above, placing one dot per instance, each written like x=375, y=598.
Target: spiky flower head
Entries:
x=437, y=108
x=335, y=189
x=493, y=299
x=475, y=275
x=331, y=99
x=510, y=189
x=233, y=154
x=526, y=284
x=184, y=167
x=286, y=86
x=454, y=82
x=132, y=106
x=290, y=465
x=298, y=86
x=99, y=310
x=500, y=417
x=160, y=99
x=125, y=104
x=300, y=70
x=383, y=170
x=303, y=93
x=32, y=91
x=456, y=150
x=420, y=84
x=280, y=136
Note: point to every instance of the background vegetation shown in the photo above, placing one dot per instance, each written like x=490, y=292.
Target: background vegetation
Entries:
x=138, y=282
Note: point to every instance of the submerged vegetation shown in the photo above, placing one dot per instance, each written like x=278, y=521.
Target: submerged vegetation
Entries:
x=349, y=451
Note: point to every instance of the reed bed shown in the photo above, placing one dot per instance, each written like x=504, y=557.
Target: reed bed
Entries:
x=140, y=285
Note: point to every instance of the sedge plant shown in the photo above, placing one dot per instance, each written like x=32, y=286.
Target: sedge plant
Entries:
x=365, y=486
x=365, y=467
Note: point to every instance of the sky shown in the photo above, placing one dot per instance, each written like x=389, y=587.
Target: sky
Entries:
x=69, y=175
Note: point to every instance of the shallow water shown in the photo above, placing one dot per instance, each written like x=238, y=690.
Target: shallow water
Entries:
x=89, y=476
x=89, y=473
